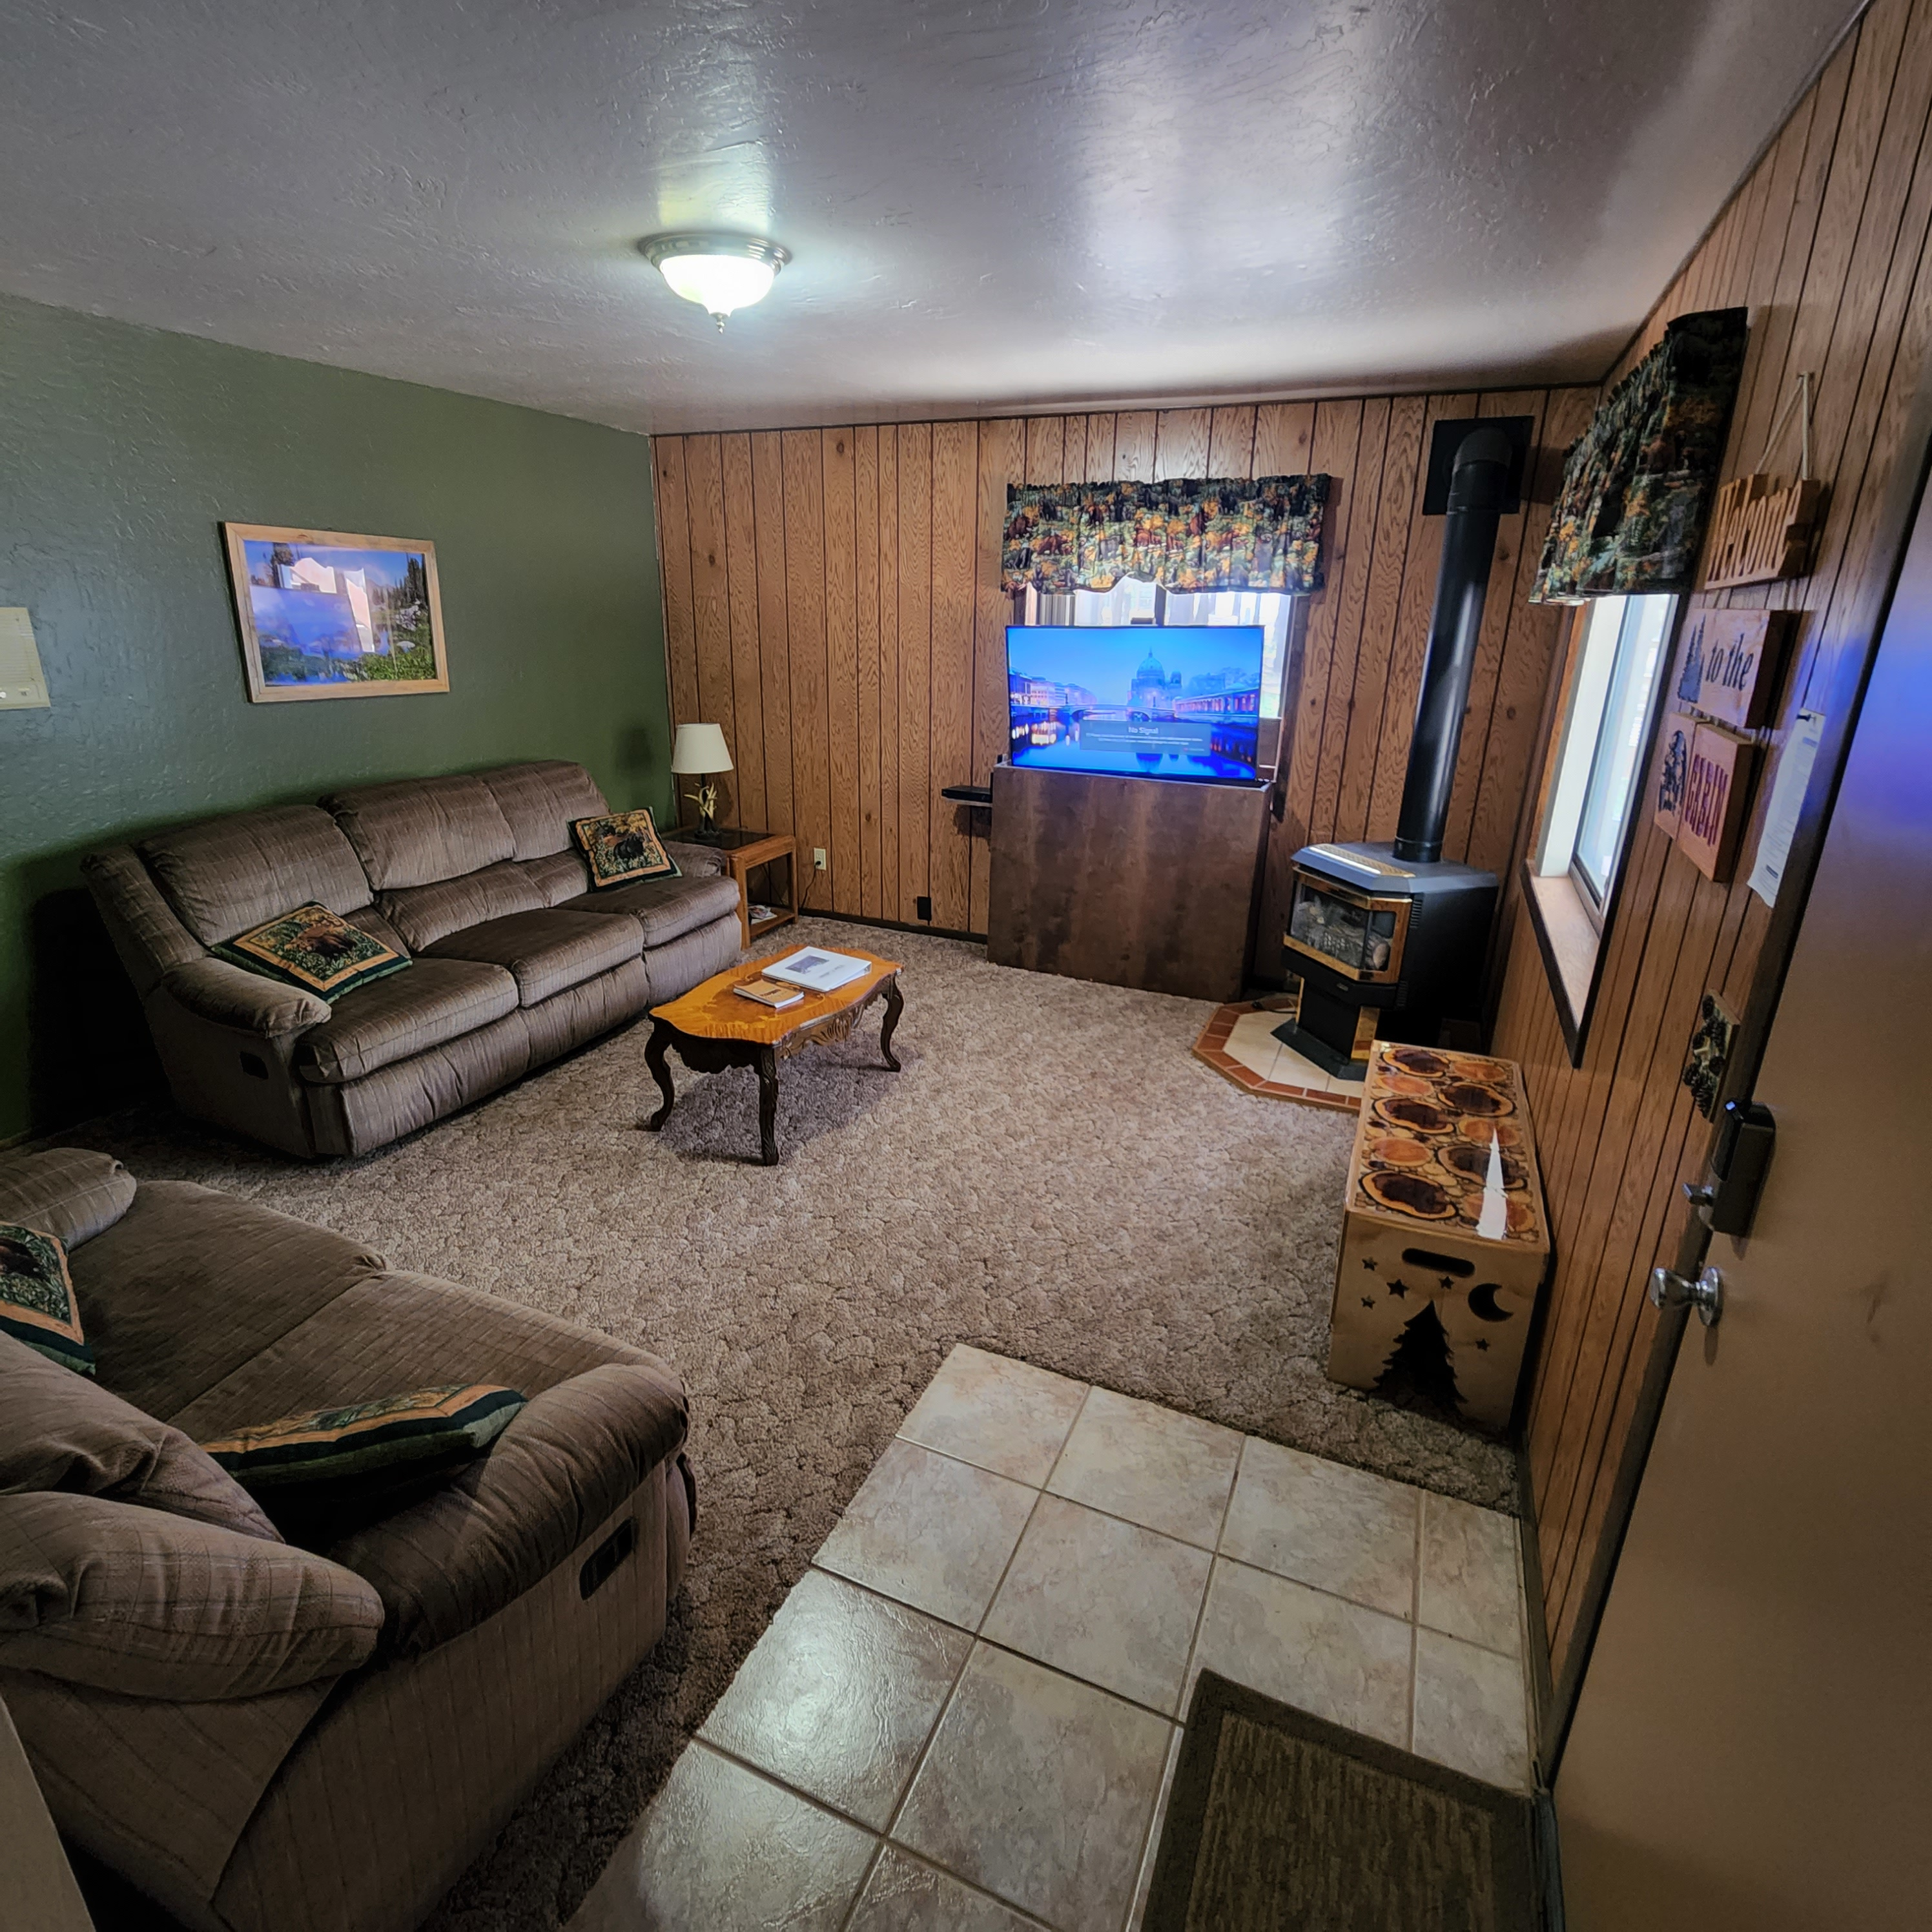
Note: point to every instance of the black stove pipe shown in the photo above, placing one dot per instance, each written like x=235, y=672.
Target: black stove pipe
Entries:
x=1478, y=483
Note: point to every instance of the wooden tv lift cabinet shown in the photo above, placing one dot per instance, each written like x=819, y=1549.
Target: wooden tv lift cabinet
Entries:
x=1132, y=881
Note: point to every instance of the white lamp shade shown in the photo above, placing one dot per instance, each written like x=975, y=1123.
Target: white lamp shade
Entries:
x=719, y=283
x=699, y=748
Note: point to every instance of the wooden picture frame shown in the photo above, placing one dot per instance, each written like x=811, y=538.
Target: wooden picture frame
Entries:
x=327, y=613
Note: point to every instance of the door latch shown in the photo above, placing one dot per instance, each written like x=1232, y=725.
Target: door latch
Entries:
x=1669, y=1289
x=1727, y=1198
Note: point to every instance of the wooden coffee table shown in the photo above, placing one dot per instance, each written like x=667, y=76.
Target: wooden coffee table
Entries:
x=713, y=1028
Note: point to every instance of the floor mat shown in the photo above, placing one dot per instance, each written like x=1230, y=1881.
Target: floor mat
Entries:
x=1281, y=1822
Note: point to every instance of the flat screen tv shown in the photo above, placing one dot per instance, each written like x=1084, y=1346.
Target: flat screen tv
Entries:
x=1157, y=701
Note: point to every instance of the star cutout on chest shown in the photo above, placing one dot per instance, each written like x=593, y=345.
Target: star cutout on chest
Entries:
x=1446, y=1280
x=1399, y=1289
x=1368, y=1261
x=1368, y=1301
x=1482, y=1348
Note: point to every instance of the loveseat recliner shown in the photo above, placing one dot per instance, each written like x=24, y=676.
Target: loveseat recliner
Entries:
x=516, y=960
x=265, y=1738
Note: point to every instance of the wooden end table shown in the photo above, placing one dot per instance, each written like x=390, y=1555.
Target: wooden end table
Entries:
x=743, y=853
x=712, y=1028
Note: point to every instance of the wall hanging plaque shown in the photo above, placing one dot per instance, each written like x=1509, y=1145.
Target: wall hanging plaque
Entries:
x=1761, y=525
x=1717, y=794
x=1728, y=664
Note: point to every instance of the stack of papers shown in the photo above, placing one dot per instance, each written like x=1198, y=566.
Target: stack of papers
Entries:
x=818, y=970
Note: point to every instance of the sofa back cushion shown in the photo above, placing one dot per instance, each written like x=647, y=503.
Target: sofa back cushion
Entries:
x=154, y=1605
x=423, y=914
x=58, y=1431
x=541, y=800
x=419, y=831
x=66, y=1192
x=224, y=875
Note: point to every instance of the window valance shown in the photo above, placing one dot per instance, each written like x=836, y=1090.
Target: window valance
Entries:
x=1212, y=533
x=1638, y=482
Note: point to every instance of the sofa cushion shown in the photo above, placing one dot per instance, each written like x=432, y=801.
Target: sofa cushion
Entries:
x=423, y=914
x=327, y=1471
x=544, y=951
x=666, y=908
x=435, y=1000
x=57, y=1432
x=68, y=1191
x=226, y=874
x=541, y=800
x=576, y=1451
x=418, y=831
x=190, y=1284
x=563, y=875
x=37, y=1307
x=312, y=948
x=623, y=846
x=152, y=1605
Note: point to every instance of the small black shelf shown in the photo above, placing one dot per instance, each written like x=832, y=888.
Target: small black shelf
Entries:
x=979, y=797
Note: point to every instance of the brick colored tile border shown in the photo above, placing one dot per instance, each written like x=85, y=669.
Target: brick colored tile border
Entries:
x=1211, y=1050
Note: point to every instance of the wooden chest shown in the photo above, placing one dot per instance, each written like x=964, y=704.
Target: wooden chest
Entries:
x=1444, y=1220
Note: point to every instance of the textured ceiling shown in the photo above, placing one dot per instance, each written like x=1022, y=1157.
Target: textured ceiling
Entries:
x=1003, y=203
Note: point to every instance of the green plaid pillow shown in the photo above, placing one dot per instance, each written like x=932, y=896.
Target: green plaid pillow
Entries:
x=315, y=949
x=37, y=1303
x=321, y=1474
x=624, y=846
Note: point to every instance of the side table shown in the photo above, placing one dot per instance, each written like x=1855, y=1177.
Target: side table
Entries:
x=743, y=853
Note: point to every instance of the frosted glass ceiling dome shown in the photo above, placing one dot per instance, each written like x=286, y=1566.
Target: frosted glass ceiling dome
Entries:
x=719, y=272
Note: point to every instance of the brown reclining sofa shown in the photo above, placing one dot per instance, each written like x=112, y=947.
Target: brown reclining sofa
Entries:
x=478, y=877
x=187, y=1731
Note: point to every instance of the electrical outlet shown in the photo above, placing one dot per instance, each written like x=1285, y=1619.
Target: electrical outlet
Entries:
x=23, y=685
x=922, y=906
x=818, y=863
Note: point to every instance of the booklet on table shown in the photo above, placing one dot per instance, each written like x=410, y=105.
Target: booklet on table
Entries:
x=818, y=970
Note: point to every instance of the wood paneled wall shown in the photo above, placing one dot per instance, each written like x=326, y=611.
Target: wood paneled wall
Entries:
x=832, y=598
x=1826, y=242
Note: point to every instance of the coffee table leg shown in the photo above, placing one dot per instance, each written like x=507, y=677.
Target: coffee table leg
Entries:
x=654, y=1058
x=768, y=1105
x=894, y=1006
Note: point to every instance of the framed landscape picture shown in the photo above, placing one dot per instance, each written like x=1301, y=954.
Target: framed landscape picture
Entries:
x=324, y=614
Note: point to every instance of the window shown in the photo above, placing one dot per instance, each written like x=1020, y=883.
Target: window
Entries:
x=1131, y=601
x=1618, y=650
x=1612, y=689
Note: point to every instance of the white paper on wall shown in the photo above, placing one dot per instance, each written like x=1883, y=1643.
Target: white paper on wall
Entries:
x=1787, y=799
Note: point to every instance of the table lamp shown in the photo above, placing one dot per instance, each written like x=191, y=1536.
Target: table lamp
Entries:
x=700, y=750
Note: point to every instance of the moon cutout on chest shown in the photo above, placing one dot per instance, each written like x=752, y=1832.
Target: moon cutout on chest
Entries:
x=1483, y=1303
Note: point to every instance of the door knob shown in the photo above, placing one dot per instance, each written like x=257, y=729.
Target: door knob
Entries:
x=1669, y=1289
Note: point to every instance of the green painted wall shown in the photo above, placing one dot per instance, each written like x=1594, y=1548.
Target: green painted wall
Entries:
x=121, y=450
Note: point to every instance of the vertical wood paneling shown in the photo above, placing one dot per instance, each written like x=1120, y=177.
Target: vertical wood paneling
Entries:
x=1133, y=446
x=1180, y=442
x=1284, y=441
x=1231, y=441
x=1827, y=245
x=805, y=622
x=710, y=595
x=916, y=661
x=865, y=597
x=955, y=548
x=1002, y=455
x=889, y=673
x=674, y=551
x=741, y=572
x=768, y=513
x=841, y=661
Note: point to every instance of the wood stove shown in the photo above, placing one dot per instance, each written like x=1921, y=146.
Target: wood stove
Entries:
x=1389, y=940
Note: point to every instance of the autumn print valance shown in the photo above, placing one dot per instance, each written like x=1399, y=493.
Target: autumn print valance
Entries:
x=1212, y=533
x=1638, y=482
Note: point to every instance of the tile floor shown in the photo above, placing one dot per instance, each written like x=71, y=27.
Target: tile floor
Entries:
x=965, y=1715
x=1238, y=1042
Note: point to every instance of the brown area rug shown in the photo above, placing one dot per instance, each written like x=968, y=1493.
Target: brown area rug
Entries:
x=1054, y=1176
x=1279, y=1821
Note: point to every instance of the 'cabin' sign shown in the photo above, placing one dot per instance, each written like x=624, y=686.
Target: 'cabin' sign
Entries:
x=1703, y=791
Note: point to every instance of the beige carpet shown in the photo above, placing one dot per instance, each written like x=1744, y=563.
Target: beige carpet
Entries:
x=1053, y=1176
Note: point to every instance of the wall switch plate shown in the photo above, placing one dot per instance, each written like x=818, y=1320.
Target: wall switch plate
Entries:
x=818, y=858
x=23, y=686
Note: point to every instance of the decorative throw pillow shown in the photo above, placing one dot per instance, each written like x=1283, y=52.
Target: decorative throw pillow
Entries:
x=321, y=1474
x=623, y=847
x=315, y=949
x=37, y=1303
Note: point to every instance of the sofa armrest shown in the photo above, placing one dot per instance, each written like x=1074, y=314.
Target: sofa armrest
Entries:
x=148, y=937
x=568, y=1460
x=231, y=996
x=696, y=861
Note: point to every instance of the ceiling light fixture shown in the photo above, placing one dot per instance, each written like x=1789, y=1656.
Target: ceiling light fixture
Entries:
x=719, y=272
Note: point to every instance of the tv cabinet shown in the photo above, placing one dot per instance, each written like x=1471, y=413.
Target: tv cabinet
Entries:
x=1133, y=882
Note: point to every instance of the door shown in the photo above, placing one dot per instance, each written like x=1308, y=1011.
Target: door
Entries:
x=1752, y=1746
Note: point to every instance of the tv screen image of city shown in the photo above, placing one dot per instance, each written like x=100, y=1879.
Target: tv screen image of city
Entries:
x=1160, y=701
